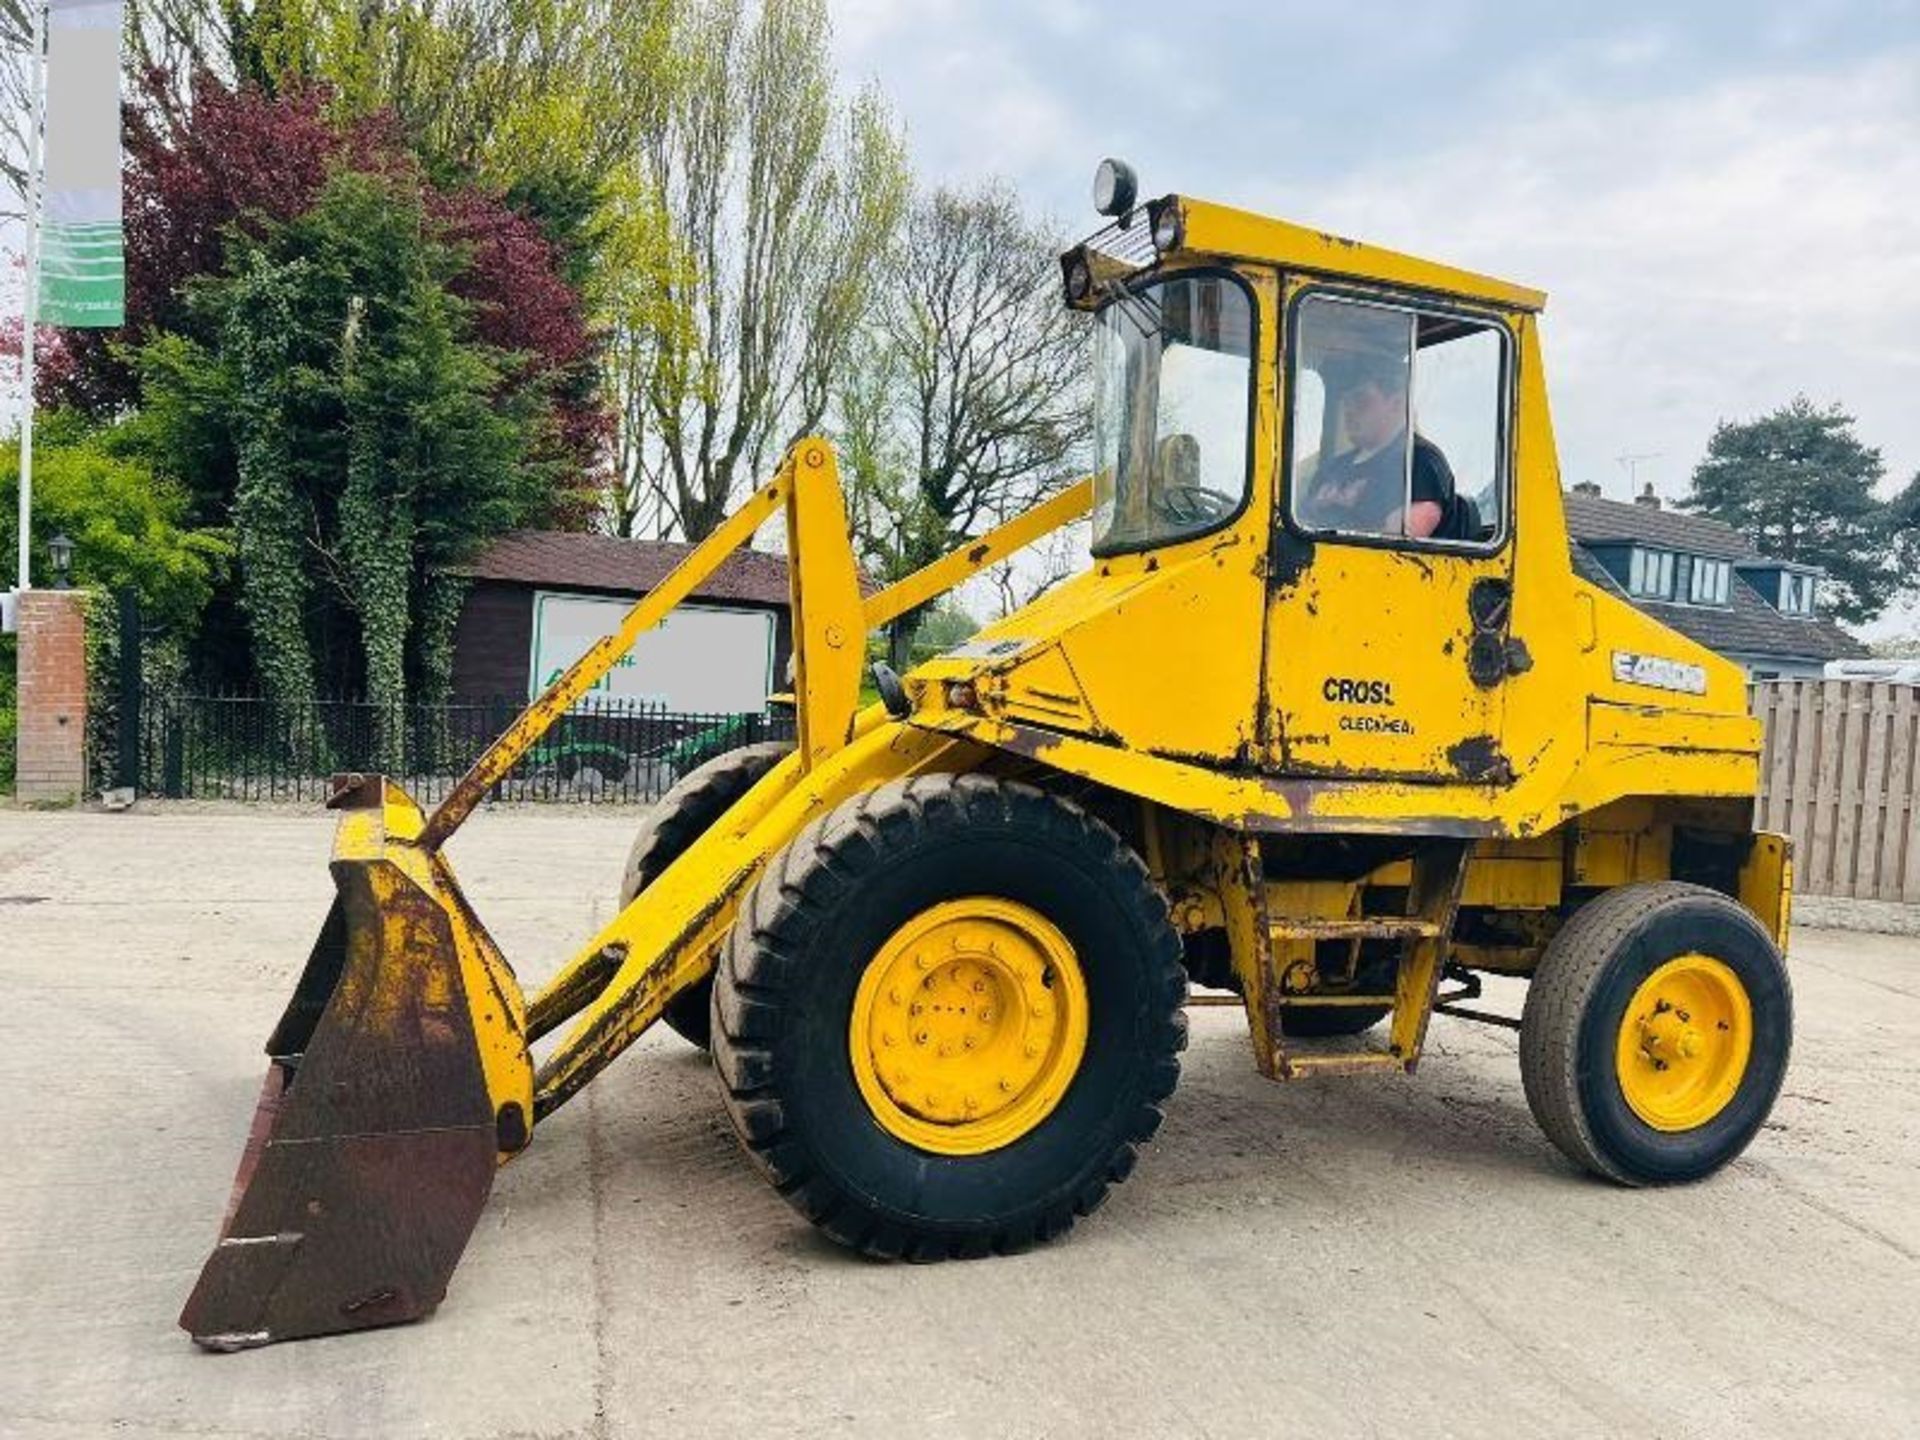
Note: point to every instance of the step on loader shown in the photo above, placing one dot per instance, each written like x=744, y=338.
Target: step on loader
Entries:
x=1330, y=724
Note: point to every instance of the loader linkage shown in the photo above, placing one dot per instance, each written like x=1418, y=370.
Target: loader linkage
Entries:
x=400, y=1076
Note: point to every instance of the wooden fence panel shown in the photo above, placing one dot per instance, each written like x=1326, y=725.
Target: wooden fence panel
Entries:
x=1840, y=773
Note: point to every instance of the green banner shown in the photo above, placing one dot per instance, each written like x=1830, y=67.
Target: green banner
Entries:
x=82, y=262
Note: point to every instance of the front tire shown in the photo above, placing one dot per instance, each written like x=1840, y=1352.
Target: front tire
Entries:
x=1656, y=1033
x=947, y=1017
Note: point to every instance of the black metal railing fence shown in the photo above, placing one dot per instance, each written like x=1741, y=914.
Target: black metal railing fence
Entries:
x=245, y=747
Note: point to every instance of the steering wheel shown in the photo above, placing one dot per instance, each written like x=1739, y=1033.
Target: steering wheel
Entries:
x=1191, y=506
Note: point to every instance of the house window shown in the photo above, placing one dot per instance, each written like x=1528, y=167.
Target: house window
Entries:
x=1796, y=593
x=1650, y=574
x=1710, y=581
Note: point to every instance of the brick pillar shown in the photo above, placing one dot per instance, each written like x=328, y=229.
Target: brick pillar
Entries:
x=52, y=761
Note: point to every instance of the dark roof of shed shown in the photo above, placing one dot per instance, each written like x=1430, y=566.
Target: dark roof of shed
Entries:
x=1593, y=520
x=564, y=560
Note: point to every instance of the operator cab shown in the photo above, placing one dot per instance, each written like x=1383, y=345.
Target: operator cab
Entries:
x=1347, y=409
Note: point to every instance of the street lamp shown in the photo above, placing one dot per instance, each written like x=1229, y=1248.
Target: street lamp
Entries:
x=60, y=552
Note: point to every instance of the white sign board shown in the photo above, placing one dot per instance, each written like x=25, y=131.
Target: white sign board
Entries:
x=701, y=660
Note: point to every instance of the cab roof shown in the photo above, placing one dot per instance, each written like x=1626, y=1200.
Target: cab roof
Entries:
x=1223, y=230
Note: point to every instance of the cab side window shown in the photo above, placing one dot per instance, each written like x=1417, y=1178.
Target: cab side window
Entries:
x=1397, y=422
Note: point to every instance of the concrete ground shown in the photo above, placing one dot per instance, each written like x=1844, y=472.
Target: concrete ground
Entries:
x=1377, y=1256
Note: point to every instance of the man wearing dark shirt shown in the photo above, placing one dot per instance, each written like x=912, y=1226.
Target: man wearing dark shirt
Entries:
x=1364, y=488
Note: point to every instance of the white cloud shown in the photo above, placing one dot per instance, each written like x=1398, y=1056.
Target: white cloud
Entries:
x=1720, y=203
x=1707, y=256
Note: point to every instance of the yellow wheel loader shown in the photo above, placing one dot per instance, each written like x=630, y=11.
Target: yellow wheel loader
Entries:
x=1330, y=720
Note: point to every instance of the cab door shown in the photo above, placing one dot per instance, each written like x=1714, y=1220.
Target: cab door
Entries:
x=1390, y=575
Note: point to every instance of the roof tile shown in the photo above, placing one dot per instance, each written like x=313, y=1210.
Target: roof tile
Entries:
x=1594, y=521
x=1750, y=626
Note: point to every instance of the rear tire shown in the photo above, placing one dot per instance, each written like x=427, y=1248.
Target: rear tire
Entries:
x=822, y=933
x=678, y=818
x=1625, y=1078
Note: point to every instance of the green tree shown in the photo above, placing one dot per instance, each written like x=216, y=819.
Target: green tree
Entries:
x=1799, y=483
x=498, y=91
x=1903, y=523
x=371, y=441
x=780, y=201
x=130, y=527
x=550, y=103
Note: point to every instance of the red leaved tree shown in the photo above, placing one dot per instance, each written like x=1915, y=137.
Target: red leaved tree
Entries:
x=239, y=161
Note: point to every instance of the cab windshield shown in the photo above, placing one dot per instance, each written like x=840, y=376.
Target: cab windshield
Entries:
x=1173, y=372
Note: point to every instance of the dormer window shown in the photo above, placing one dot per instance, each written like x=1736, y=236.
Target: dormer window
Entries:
x=1650, y=574
x=1711, y=582
x=1796, y=593
x=1676, y=576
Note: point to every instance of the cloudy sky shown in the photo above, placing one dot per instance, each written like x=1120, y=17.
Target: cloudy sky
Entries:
x=1722, y=200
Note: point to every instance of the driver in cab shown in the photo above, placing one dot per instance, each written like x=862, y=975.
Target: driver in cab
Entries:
x=1363, y=488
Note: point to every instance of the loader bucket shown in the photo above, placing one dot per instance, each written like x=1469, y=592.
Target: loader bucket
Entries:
x=398, y=1079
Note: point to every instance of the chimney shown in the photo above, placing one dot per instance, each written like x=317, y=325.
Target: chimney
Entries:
x=1647, y=498
x=1587, y=487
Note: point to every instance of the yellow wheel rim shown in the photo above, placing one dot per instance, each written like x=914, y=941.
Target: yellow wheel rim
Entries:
x=1684, y=1043
x=969, y=1025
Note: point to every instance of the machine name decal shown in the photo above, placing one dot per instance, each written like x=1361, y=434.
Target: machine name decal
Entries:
x=1344, y=691
x=1358, y=692
x=1659, y=673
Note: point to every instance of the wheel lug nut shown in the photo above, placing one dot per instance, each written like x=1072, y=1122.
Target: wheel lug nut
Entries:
x=979, y=987
x=921, y=1038
x=889, y=1040
x=1006, y=1085
x=968, y=1042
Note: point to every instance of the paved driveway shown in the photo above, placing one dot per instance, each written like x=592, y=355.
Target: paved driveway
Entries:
x=1375, y=1256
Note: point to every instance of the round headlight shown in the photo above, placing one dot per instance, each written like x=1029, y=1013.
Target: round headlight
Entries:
x=1114, y=187
x=1079, y=281
x=1166, y=228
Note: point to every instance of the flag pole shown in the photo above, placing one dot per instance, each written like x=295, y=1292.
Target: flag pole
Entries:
x=31, y=308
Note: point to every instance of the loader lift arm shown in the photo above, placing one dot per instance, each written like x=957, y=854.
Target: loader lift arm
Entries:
x=627, y=985
x=401, y=1073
